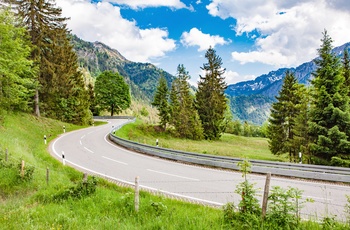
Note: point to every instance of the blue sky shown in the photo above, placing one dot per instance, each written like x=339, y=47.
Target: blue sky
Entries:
x=252, y=37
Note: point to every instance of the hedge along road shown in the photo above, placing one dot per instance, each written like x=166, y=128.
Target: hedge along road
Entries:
x=91, y=151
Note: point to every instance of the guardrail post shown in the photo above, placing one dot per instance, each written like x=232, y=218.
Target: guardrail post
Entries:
x=266, y=194
x=63, y=159
x=137, y=197
x=157, y=142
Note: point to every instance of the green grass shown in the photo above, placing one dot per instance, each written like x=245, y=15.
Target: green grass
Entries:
x=229, y=145
x=31, y=204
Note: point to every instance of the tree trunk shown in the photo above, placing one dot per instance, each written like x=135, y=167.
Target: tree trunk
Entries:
x=112, y=110
x=36, y=103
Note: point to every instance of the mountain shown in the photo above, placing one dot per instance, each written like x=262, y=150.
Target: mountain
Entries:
x=251, y=100
x=96, y=57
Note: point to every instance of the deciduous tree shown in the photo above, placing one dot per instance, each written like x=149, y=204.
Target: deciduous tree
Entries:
x=112, y=93
x=16, y=69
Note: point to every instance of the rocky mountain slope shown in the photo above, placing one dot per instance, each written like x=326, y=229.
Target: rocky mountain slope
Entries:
x=97, y=57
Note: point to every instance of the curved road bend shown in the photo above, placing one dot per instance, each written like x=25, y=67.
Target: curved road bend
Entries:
x=90, y=149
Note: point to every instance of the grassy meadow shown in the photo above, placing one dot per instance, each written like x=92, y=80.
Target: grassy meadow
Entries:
x=229, y=144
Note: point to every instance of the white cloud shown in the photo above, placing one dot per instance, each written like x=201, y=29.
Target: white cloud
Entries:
x=137, y=4
x=196, y=38
x=103, y=22
x=290, y=31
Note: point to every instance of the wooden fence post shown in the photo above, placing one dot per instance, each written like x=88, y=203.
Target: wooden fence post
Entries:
x=266, y=194
x=22, y=169
x=6, y=154
x=137, y=197
x=85, y=176
x=47, y=175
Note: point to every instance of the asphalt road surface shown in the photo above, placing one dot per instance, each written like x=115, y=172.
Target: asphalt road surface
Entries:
x=90, y=150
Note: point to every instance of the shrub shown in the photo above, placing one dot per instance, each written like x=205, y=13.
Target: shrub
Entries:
x=82, y=189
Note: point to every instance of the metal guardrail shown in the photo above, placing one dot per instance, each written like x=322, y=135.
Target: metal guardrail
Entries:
x=305, y=171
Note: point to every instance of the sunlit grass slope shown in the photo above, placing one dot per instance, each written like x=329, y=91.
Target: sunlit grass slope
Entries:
x=228, y=145
x=34, y=204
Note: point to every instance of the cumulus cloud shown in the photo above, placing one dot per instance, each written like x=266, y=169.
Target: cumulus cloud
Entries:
x=103, y=22
x=197, y=38
x=289, y=31
x=137, y=4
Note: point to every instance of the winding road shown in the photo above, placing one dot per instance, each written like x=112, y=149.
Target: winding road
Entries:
x=90, y=150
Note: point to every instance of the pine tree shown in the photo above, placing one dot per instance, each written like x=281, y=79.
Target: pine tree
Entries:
x=282, y=118
x=329, y=125
x=161, y=102
x=210, y=96
x=184, y=116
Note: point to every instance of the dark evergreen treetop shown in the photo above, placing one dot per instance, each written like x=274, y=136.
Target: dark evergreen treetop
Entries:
x=210, y=96
x=346, y=69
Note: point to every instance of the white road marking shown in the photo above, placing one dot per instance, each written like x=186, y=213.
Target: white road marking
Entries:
x=88, y=150
x=188, y=178
x=81, y=143
x=120, y=162
x=82, y=137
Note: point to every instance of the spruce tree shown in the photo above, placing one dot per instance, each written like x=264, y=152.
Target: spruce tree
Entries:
x=329, y=125
x=184, y=116
x=160, y=101
x=210, y=96
x=282, y=118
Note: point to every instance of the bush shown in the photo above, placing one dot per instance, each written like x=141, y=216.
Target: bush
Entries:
x=337, y=161
x=80, y=190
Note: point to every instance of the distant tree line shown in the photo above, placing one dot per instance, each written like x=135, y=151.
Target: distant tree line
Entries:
x=314, y=122
x=39, y=68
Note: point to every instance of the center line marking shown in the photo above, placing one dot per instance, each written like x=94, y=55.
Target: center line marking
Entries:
x=115, y=160
x=88, y=150
x=173, y=175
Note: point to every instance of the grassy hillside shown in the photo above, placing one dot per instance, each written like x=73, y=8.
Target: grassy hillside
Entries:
x=31, y=203
x=229, y=145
